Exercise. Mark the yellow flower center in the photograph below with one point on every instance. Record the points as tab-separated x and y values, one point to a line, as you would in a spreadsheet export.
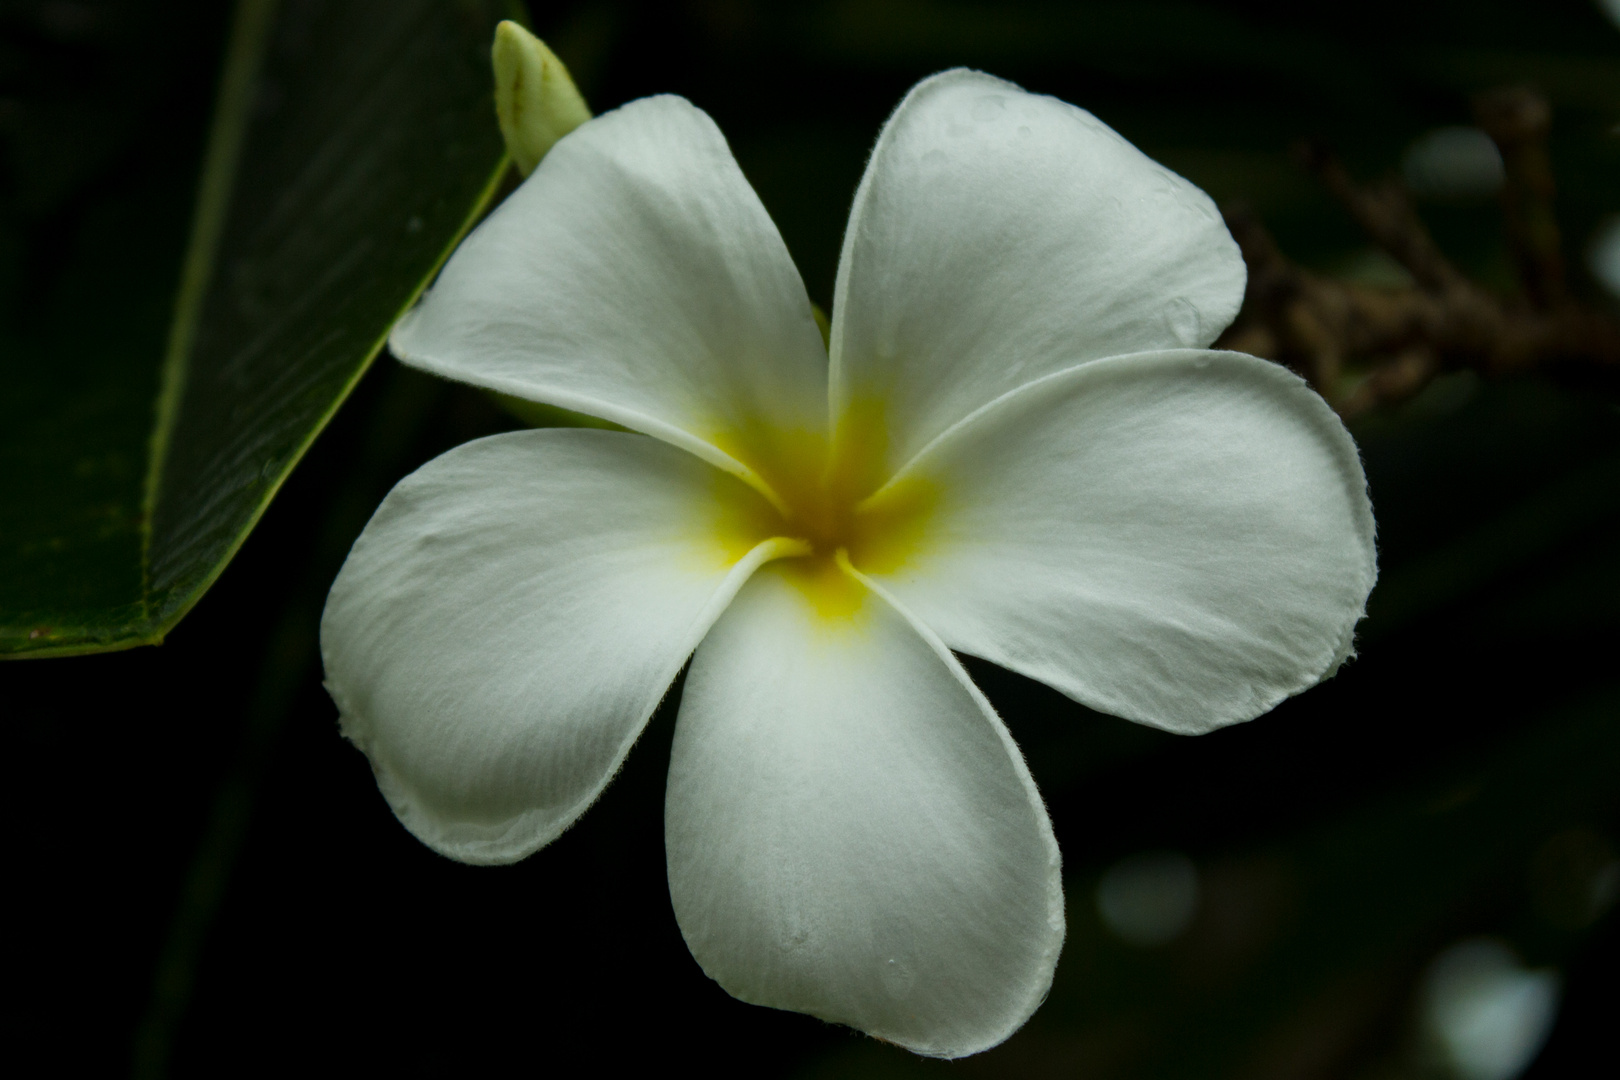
830	495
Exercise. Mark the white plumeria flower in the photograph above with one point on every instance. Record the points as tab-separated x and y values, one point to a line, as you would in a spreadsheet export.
1019	448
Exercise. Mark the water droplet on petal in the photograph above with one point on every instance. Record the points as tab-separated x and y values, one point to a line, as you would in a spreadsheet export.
1185	323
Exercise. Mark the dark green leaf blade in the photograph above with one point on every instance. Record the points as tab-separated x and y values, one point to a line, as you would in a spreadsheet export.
98	166
352	145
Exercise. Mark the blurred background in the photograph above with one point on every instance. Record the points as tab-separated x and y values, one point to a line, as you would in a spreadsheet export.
1407	872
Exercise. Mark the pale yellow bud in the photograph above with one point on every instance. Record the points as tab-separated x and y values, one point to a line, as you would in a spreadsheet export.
535	99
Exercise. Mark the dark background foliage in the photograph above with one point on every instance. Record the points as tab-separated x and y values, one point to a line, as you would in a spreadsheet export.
206	881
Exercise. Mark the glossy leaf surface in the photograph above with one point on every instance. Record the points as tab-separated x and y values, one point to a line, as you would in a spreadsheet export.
193	350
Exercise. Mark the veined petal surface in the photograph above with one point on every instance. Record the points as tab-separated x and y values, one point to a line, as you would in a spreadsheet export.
511	617
1181	538
851	831
999	236
634	276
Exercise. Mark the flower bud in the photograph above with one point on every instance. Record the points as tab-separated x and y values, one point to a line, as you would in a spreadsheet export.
535	99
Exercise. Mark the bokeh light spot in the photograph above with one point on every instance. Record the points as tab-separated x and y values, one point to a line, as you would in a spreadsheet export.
1453	163
1149	898
1604	255
1489	1015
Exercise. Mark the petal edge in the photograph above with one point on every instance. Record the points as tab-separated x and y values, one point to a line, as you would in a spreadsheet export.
1181	538
851	831
510	618
999	236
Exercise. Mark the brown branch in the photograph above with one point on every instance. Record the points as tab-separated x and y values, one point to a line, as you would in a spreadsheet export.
1517	120
1386	214
1362	347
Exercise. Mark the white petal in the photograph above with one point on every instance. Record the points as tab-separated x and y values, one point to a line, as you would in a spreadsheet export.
511	617
851	831
999	236
1180	538
634	276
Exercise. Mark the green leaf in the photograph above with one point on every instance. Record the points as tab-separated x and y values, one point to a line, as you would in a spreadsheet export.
352	144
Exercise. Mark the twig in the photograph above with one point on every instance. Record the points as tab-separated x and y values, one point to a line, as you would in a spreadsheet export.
1517	120
1362	347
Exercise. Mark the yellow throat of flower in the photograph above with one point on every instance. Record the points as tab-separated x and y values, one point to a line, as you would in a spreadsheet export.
830	497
